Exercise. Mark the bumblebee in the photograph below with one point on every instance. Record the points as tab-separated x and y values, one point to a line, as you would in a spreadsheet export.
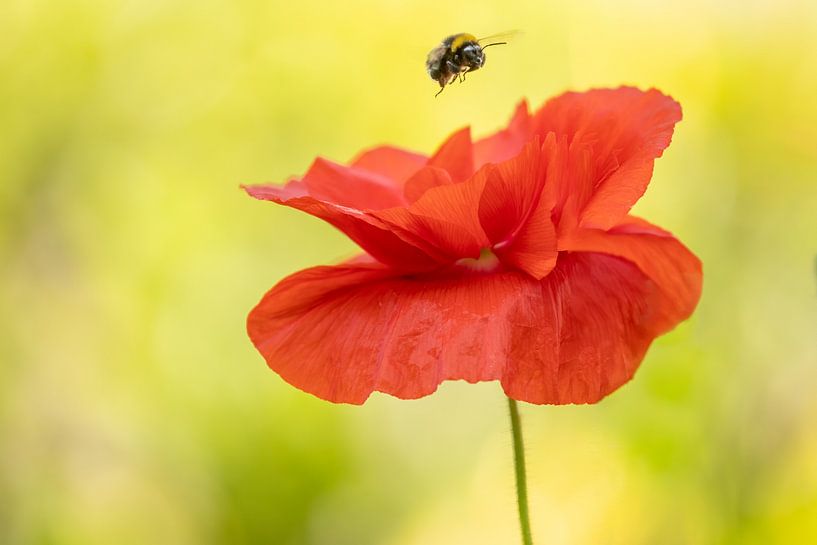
456	55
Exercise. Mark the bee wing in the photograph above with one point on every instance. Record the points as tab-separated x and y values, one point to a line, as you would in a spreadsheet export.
436	53
506	36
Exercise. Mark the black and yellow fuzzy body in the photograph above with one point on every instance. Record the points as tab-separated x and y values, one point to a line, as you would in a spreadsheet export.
454	57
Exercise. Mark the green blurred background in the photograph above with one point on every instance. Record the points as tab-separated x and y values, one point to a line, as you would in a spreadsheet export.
133	409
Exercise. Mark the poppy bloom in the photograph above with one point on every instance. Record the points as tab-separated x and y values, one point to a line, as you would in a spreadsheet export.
510	258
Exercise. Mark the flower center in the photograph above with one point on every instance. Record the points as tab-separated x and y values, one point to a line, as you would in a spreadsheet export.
487	261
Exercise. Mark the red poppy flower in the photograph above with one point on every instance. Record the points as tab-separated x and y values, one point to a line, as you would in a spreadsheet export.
512	258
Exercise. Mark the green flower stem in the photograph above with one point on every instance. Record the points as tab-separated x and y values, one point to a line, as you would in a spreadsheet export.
521	477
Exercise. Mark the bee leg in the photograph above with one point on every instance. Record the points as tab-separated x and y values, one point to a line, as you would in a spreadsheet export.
444	80
453	69
462	75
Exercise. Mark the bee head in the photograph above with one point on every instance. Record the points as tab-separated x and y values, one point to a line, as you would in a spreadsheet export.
473	56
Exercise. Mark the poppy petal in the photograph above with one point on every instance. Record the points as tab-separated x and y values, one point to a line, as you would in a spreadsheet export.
393	163
626	129
513	214
660	256
423	180
368	232
533	249
456	155
596	317
506	143
342	332
511	191
445	216
351	187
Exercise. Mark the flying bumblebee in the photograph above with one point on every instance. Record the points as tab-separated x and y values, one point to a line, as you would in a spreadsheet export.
457	55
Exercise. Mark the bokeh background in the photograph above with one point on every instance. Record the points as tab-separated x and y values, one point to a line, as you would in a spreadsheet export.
133	409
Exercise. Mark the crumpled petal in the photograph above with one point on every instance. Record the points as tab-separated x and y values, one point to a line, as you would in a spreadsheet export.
587	334
343	332
660	256
623	130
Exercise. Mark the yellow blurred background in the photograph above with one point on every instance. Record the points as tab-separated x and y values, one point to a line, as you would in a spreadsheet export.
133	409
